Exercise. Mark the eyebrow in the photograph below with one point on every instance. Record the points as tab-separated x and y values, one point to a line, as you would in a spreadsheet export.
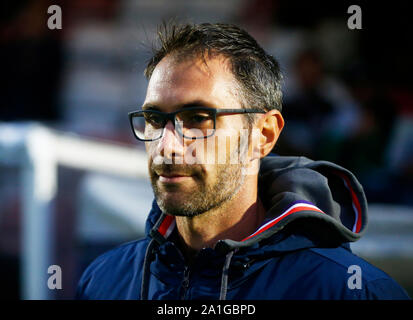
195	103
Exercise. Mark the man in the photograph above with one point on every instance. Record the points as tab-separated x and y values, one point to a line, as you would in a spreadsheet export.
229	221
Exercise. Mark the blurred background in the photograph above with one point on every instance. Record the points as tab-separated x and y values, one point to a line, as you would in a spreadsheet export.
73	179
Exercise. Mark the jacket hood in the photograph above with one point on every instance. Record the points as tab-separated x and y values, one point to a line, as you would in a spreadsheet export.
320	199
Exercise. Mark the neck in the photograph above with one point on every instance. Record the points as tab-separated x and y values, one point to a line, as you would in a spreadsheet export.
235	219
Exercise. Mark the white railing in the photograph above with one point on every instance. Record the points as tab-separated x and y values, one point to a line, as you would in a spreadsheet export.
38	151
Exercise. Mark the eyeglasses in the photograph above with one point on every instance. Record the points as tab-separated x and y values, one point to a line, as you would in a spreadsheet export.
191	123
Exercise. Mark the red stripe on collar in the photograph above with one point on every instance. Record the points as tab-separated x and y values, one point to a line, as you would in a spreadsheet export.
167	226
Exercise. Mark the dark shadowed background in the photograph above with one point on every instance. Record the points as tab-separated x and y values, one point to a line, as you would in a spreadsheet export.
348	98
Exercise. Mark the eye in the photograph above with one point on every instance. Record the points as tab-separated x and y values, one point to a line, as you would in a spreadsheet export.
153	119
195	117
199	118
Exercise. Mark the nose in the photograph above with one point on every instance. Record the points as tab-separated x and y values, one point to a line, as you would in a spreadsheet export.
170	145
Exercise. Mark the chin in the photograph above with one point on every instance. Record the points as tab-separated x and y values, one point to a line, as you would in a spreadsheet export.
177	206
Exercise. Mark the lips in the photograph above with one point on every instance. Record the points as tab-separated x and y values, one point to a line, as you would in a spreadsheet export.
173	174
172	178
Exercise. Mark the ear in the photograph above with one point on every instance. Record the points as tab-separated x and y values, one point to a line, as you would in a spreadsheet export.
267	131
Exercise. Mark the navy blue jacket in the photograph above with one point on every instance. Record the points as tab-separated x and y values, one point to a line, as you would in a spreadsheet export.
301	251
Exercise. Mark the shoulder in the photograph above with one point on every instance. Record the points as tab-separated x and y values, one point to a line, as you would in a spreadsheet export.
373	282
122	254
337	273
112	270
341	259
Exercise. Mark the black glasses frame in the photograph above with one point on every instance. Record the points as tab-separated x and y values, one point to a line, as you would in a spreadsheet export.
172	117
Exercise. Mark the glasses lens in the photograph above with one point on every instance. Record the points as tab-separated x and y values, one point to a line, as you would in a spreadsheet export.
196	123
148	125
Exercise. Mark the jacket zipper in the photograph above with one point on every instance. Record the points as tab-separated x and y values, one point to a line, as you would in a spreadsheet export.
185	282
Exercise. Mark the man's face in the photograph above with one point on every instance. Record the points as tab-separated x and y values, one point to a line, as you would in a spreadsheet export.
190	189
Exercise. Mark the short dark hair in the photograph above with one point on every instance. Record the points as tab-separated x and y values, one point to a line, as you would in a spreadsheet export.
257	72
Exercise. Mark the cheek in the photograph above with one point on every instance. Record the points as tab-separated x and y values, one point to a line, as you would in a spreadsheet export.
227	146
199	151
207	151
210	173
213	150
149	150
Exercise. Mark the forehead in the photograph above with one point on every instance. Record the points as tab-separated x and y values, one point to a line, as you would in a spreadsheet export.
175	82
